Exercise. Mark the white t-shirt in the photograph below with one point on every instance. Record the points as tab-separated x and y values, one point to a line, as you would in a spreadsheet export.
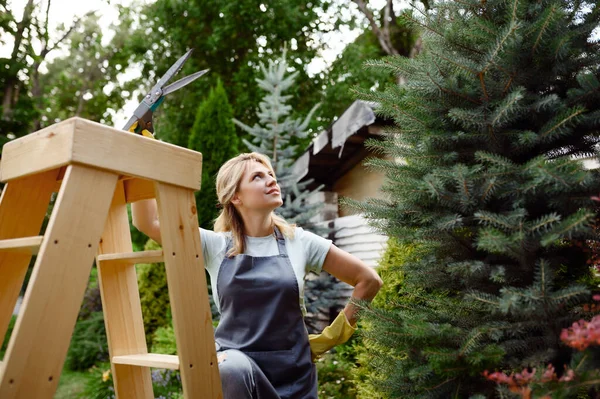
306	251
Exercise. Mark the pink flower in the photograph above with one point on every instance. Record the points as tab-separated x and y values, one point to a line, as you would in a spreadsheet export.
582	334
568	376
549	374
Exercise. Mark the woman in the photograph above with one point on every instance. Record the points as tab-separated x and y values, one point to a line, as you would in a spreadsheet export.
257	263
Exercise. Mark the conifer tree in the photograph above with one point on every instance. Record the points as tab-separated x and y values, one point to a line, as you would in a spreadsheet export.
278	135
213	134
491	126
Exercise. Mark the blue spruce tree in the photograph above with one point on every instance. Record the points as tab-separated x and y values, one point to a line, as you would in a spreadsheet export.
497	112
277	135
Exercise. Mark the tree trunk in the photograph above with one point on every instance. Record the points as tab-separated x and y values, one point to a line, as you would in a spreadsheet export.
384	33
9	97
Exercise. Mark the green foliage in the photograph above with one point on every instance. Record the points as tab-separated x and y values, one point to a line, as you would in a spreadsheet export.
390	270
11	326
230	38
333	370
347	73
499	105
17	107
88	343
74	86
154	297
277	135
163	340
368	351
154	294
71	384
213	134
277	131
100	383
365	376
38	90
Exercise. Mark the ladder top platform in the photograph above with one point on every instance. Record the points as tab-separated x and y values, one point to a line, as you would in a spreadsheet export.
80	141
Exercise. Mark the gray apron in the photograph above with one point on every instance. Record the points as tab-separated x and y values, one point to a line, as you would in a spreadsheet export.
261	317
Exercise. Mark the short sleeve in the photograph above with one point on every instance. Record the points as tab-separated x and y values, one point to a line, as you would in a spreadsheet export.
315	247
212	245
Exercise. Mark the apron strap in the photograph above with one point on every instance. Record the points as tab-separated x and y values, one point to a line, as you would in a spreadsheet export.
280	241
229	243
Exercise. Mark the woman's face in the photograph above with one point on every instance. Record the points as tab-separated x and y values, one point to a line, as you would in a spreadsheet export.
258	189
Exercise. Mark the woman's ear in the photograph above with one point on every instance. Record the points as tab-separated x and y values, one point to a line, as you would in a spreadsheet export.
236	200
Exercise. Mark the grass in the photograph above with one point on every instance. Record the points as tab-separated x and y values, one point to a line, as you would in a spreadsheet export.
71	384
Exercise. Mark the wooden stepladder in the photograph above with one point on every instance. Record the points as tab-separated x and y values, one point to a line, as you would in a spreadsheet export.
97	171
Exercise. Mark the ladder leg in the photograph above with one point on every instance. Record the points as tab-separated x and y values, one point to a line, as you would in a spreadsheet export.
187	291
22	209
121	305
40	341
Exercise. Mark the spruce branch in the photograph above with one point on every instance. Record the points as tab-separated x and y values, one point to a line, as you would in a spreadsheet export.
560	125
577	222
454	93
507	108
550	12
503	40
489	190
471	69
543	223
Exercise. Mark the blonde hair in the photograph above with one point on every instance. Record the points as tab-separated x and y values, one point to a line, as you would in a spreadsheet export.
228	184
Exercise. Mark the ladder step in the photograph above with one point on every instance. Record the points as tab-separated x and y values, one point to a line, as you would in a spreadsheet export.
132	258
149	360
27	245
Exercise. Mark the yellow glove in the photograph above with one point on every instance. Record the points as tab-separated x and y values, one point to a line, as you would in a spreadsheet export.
145	132
334	334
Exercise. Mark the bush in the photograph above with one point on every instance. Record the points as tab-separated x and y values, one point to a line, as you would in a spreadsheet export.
334	372
349	370
164	341
365	376
154	294
88	344
100	383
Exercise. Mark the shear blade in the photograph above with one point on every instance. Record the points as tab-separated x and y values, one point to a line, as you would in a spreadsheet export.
173	70
182	82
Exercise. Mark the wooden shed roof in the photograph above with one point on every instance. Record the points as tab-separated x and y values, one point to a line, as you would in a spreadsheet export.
341	146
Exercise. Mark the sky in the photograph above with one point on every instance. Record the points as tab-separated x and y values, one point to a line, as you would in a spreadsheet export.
65	11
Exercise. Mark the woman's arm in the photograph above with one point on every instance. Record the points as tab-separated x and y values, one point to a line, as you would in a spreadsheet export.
351	270
144	217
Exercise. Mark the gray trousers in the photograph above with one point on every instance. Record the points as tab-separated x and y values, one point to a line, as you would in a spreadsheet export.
241	377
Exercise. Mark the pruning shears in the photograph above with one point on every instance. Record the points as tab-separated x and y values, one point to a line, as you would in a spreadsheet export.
141	121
